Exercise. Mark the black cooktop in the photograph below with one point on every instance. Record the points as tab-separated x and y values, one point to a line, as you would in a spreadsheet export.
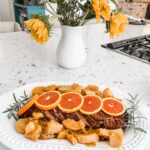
137	48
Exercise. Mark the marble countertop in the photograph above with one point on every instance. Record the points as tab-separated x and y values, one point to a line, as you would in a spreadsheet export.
24	61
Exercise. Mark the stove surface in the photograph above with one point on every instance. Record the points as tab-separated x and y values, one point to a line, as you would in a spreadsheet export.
137	48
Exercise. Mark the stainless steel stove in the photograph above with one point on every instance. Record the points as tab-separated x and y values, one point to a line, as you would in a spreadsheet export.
137	48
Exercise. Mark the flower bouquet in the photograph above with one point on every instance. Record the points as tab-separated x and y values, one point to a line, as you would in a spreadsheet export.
73	15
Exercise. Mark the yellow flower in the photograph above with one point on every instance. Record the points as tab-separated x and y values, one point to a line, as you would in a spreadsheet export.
105	10
102	9
118	24
39	30
96	8
29	23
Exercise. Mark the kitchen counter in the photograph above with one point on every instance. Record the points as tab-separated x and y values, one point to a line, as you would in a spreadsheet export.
24	61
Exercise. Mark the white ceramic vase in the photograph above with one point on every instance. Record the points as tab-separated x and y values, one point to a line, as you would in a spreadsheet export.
71	49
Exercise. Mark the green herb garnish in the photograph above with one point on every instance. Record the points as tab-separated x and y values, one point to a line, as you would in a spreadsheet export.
12	109
132	119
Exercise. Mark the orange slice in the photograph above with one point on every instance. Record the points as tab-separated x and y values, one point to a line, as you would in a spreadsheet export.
48	100
70	102
92	104
28	105
113	106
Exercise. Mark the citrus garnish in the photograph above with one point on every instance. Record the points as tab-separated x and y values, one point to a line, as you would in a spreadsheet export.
92	104
28	105
70	102
48	100
113	106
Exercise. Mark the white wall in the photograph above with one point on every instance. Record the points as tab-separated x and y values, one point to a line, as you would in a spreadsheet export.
6	10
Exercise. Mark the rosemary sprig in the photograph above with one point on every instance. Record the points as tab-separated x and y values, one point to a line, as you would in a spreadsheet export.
12	109
132	119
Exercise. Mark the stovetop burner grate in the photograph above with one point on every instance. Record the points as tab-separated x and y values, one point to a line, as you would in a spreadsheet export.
137	48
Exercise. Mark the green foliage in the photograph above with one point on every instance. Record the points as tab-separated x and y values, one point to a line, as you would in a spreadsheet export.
118	8
74	12
53	1
18	103
85	6
70	12
107	26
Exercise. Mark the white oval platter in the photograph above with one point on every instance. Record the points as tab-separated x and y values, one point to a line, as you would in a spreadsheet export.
11	139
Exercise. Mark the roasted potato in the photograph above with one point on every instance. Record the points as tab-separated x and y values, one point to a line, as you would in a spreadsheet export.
71	88
30	127
74	125
87	92
52	87
38	90
87	138
77	87
53	127
21	124
116	138
64	89
91	90
47	136
100	94
81	123
71	139
107	93
62	134
103	132
37	115
34	135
